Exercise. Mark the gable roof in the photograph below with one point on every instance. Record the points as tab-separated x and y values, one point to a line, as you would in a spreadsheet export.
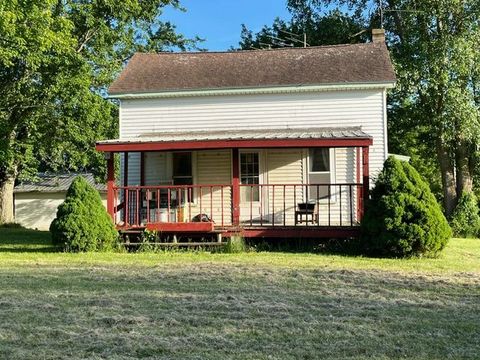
319	65
56	183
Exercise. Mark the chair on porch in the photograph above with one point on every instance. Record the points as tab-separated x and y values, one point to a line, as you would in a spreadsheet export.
306	213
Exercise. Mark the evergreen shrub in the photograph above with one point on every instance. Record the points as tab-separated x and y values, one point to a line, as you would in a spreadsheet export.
82	222
403	218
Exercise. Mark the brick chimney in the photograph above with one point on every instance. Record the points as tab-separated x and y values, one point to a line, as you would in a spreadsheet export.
378	36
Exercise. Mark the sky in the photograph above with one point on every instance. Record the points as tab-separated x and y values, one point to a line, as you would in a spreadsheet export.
219	21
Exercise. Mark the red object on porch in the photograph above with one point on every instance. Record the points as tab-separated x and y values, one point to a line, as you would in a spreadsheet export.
202	227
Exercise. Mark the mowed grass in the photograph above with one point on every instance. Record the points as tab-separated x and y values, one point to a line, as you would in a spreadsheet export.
197	305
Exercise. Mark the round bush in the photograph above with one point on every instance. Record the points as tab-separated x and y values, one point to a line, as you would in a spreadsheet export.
465	220
403	217
82	223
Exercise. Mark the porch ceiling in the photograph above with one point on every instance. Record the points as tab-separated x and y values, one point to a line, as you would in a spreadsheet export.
245	138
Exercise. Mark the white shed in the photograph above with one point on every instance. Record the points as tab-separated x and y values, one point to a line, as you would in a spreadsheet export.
36	202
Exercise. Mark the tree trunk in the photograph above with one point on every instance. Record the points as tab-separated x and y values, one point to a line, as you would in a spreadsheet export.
463	170
448	178
6	200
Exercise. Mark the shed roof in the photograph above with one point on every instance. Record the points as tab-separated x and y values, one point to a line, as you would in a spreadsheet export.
56	183
317	65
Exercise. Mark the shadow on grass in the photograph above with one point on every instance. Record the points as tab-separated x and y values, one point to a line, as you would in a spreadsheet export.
18	239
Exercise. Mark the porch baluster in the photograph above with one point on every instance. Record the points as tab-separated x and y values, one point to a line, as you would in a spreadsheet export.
329	205
261	205
295	202
148	205
179	205
115	206
273	205
221	196
126	207
168	204
201	195
251	204
351	206
211	202
340	201
137	210
157	210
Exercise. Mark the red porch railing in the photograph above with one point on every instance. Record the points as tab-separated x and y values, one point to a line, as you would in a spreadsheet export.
137	206
261	205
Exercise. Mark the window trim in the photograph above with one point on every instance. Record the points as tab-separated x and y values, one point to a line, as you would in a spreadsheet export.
261	167
331	172
194	171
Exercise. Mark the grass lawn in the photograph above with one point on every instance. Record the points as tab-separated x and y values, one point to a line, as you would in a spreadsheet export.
227	306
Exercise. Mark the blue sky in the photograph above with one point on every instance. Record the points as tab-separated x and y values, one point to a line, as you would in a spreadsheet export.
219	21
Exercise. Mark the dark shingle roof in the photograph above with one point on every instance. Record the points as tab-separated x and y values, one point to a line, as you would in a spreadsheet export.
55	183
340	64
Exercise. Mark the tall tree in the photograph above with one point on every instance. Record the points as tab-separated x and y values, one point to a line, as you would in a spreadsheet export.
436	105
332	28
56	59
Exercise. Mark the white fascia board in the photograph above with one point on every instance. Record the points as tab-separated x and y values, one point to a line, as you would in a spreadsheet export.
252	91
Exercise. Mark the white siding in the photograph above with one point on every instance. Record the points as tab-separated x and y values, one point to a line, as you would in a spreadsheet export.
156	168
214	167
133	169
37	210
285	167
363	108
290	167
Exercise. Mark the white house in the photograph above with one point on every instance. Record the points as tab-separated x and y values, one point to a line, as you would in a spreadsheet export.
36	202
270	143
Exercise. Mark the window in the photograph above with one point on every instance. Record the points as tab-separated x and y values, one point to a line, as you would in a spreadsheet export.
250	174
319	160
182	168
319	173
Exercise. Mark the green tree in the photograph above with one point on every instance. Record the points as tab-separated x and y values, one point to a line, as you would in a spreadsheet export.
466	218
56	59
332	28
435	107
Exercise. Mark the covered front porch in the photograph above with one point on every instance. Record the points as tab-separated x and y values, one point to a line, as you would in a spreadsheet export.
301	183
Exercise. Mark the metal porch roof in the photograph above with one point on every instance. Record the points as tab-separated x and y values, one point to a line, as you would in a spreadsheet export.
250	134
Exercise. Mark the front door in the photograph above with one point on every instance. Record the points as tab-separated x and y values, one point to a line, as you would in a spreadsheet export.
251	194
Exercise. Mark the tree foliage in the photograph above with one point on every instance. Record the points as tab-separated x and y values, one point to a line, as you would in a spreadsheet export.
466	218
82	223
403	217
436	104
56	60
329	29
